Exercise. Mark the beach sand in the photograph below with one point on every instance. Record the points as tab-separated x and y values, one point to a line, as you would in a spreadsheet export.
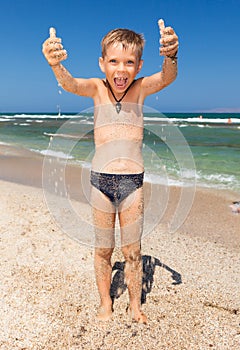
48	296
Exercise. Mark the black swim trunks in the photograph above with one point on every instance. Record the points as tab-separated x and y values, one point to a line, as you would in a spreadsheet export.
116	187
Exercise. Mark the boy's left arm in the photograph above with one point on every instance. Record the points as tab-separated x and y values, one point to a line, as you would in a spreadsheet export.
168	49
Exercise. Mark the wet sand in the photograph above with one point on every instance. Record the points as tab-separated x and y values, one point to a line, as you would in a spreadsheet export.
48	296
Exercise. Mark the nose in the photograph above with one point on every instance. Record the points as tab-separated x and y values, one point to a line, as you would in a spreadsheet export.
121	67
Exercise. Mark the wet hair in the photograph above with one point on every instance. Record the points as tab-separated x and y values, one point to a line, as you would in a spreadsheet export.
128	38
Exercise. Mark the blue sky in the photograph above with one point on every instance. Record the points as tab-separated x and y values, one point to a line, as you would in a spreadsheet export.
209	53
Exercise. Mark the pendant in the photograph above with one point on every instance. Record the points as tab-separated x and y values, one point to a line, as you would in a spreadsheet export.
118	107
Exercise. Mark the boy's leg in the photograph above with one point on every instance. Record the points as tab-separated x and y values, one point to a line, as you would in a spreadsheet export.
104	223
131	222
103	272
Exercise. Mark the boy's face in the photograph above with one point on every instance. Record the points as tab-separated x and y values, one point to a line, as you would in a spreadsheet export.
120	66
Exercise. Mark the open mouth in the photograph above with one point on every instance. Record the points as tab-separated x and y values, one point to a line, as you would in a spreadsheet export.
120	82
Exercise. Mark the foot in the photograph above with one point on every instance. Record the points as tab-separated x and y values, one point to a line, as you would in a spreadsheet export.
104	313
137	315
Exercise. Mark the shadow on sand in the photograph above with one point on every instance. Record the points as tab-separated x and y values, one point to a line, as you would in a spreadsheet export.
118	286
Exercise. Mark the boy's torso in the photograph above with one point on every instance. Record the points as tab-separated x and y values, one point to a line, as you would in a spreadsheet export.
118	139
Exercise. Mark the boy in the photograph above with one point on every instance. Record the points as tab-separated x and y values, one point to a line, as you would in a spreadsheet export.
117	165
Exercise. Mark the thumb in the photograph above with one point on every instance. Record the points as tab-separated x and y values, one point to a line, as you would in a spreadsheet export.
52	32
161	25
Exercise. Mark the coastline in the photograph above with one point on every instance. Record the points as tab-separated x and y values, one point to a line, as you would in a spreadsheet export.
209	210
48	295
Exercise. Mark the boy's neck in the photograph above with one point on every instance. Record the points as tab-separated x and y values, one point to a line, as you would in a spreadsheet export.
118	105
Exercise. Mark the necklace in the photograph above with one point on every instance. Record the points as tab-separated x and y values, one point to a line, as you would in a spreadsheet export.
118	105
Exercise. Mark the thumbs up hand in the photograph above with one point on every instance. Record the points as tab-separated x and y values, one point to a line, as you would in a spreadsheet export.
168	41
53	49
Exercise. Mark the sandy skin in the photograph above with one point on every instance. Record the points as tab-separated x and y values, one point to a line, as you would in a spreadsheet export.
120	147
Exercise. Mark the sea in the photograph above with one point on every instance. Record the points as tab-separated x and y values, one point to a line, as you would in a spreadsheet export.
178	149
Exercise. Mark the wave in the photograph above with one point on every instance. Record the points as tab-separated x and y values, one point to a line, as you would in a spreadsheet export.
199	121
148	118
38	116
5	119
157	179
66	136
56	154
5	144
218	181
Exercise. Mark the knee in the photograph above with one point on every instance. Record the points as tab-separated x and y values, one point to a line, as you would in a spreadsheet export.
103	253
132	253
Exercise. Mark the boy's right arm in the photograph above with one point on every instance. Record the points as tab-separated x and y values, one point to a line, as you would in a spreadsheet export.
54	53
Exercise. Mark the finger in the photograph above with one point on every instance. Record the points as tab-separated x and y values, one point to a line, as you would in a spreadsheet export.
60	55
161	25
170	47
169	50
55	40
168	39
52	32
56	46
168	30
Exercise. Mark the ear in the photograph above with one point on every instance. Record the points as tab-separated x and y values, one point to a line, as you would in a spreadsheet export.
101	64
140	64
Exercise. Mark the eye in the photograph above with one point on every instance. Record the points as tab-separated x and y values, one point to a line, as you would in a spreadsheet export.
113	61
130	62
